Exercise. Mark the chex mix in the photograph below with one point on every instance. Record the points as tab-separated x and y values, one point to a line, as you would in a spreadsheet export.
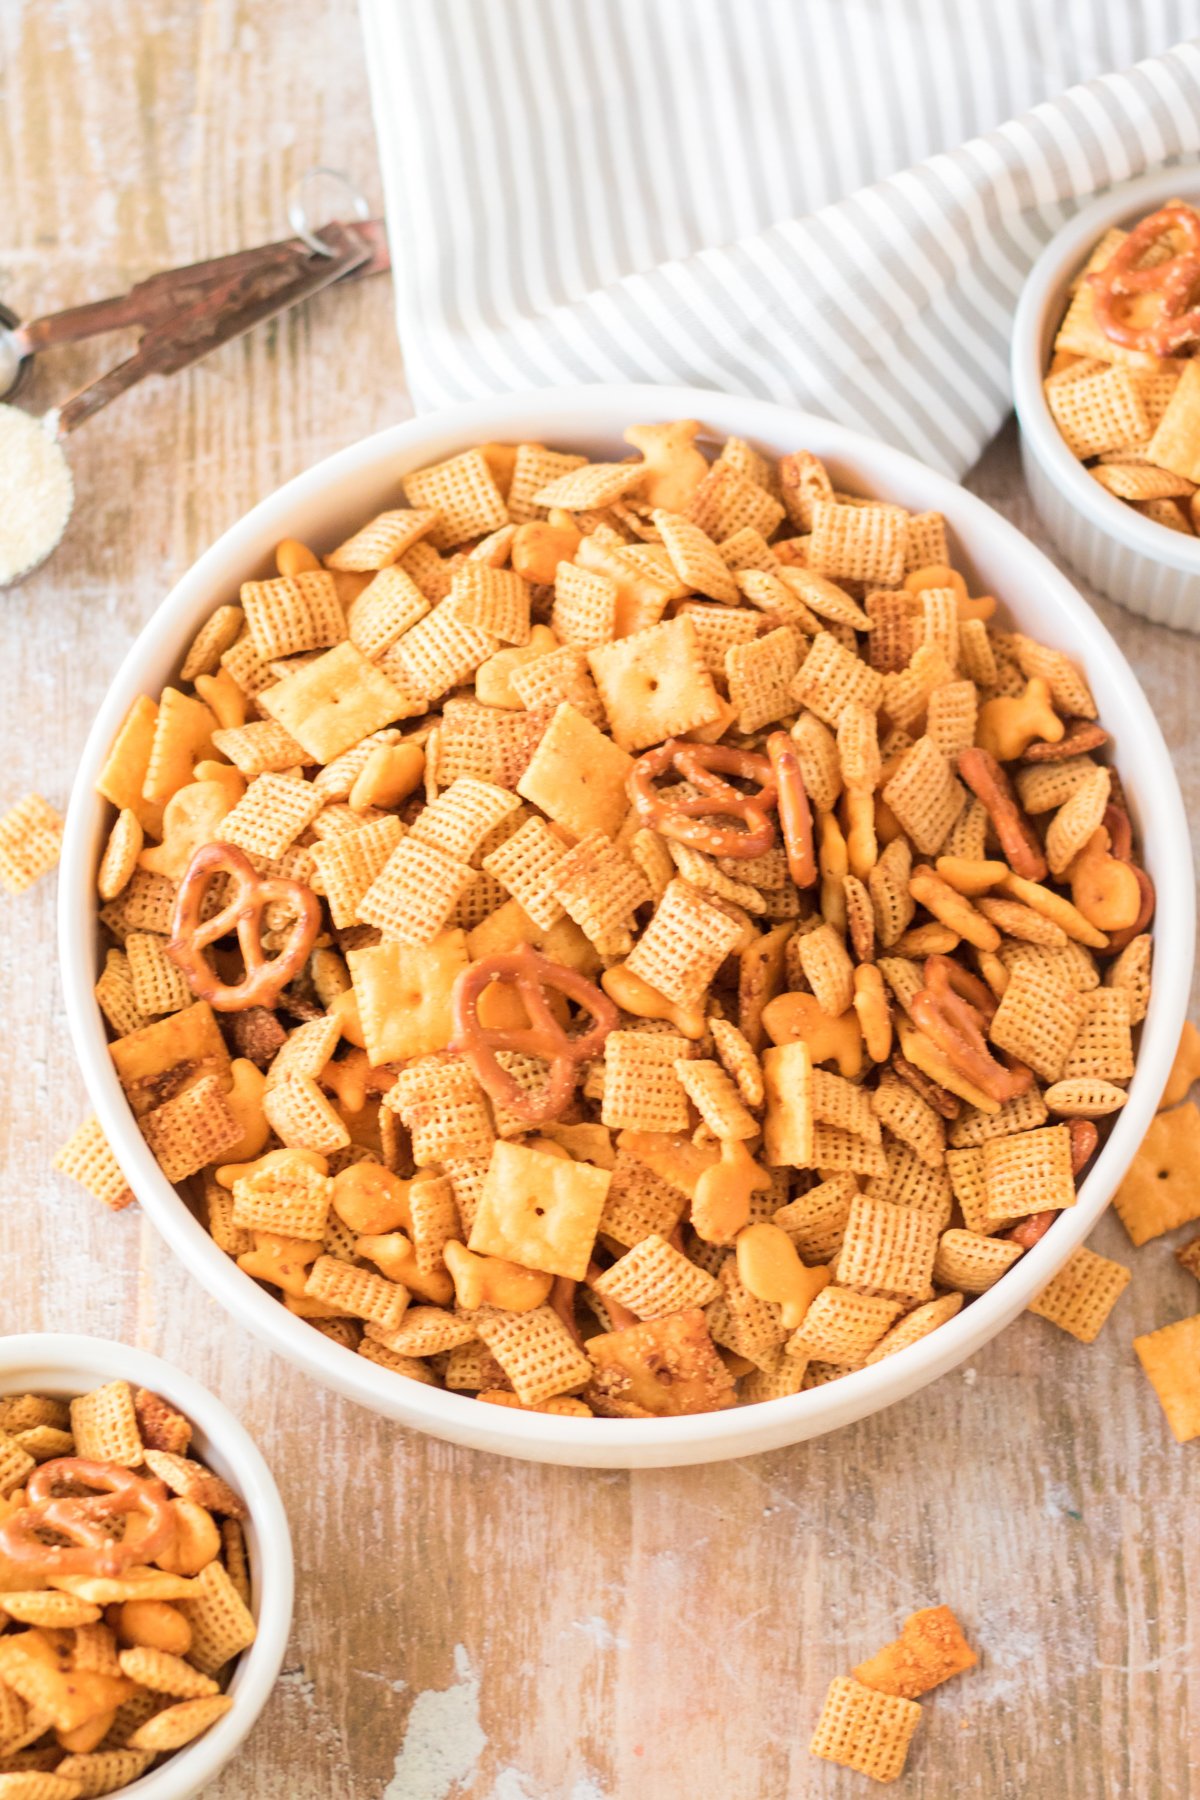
125	1593
623	938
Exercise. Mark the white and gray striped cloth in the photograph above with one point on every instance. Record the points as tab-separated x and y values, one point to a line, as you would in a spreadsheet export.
831	203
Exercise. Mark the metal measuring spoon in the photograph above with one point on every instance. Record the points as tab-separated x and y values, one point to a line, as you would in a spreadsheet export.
183	314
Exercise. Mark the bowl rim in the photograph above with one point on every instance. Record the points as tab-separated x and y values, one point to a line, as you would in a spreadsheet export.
36	1361
1043	293
584	412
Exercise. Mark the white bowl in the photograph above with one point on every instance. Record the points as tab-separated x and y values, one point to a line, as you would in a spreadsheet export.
64	1365
1146	567
323	506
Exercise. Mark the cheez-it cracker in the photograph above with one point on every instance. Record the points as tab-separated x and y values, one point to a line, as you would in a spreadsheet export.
624	938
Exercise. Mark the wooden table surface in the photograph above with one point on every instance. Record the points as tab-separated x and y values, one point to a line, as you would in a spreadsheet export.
467	1626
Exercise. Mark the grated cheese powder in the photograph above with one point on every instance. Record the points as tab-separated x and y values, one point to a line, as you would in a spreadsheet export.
36	493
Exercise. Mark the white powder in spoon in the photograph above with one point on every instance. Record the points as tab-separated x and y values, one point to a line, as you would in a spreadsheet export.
36	492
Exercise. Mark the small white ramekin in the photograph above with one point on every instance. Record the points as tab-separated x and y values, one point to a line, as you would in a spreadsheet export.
323	506
1145	567
63	1365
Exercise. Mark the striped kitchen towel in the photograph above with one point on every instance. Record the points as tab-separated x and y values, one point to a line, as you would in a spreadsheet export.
831	203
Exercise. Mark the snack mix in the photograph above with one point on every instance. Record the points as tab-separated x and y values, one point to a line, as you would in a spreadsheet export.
124	1591
623	938
1124	384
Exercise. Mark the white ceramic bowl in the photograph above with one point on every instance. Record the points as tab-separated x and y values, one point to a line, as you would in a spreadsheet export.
63	1365
1146	567
321	507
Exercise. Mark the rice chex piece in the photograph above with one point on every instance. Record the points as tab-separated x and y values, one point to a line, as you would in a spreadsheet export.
561	674
1131	973
492	600
716	1099
585	606
525	864
303	1117
642	1091
388	606
436	654
383	540
292	613
462	817
760	674
971	1263
591	487
859	543
887	1249
738	1060
912	1182
190	1130
535	467
444	1108
87	1157
463	493
926	796
1024	1113
261	747
535	1350
159	986
695	558
910	1118
816	1221
96	1772
728	501
684	945
30	842
105	1427
1027	1172
1103	1046
864	1730
1083	1293
969	1182
843	1327
347	864
222	1624
831	677
639	1204
359	1292
601	888
654	1278
1038	1020
415	892
916	1325
741	1322
289	1198
1098	412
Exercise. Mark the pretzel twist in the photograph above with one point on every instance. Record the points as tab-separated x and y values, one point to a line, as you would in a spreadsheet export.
87	1521
1174	282
265	977
688	821
950	1009
531	974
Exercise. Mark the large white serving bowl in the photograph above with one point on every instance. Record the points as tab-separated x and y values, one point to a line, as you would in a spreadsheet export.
1144	566
322	507
63	1365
